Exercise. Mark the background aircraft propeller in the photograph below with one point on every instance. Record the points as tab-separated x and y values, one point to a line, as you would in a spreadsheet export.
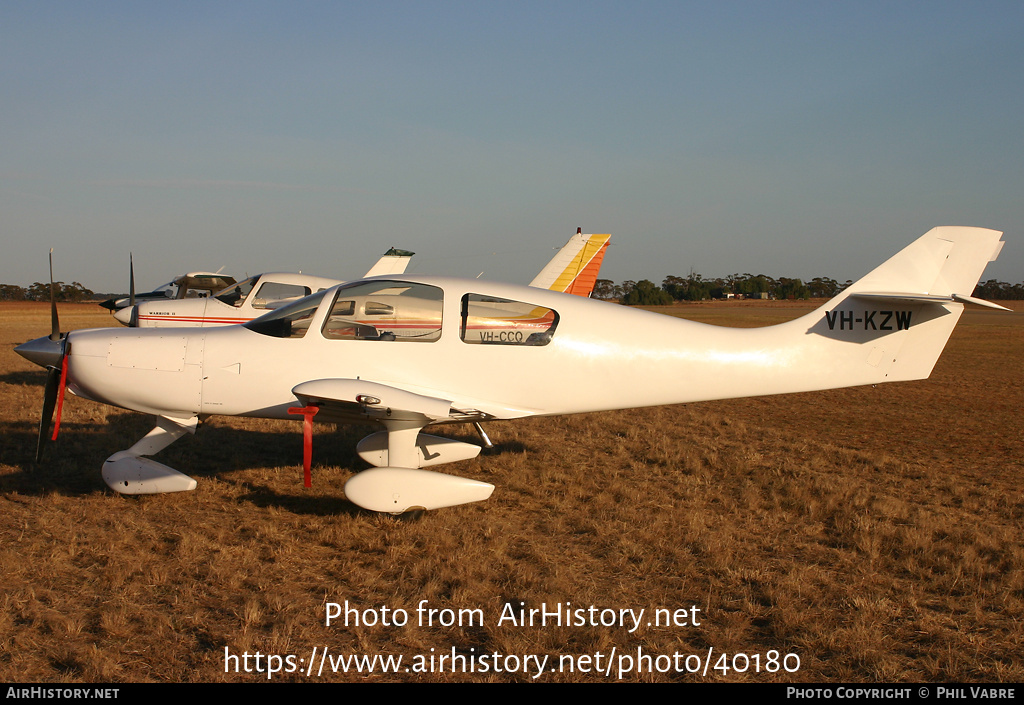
134	321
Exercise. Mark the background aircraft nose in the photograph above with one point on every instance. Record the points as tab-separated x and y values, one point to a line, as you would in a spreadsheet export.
127	315
44	352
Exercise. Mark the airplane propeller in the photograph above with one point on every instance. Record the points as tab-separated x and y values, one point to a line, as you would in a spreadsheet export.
134	322
56	383
50	352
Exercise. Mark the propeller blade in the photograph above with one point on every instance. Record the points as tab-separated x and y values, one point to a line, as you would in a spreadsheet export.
131	280
54	322
49	399
56	376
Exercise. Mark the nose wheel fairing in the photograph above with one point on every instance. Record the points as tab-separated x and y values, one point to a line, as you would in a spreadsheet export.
129	472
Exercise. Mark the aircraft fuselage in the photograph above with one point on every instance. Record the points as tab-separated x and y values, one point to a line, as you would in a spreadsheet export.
600	356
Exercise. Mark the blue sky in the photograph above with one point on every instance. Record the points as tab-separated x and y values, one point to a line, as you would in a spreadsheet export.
789	138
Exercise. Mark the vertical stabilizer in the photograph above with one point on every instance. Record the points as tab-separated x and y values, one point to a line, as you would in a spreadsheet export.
394	261
894	322
944	261
575	268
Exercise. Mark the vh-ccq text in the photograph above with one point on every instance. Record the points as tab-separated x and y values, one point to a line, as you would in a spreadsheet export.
557	614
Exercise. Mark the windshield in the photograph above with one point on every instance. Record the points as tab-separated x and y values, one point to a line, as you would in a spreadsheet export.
236	293
291	321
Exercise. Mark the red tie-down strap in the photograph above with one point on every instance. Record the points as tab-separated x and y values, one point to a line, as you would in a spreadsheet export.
308	412
60	395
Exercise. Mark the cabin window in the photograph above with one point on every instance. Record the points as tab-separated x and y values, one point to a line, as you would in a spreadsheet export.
376	308
488	320
272	293
291	321
385	310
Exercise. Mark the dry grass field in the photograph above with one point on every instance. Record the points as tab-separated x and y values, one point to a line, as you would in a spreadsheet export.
867	534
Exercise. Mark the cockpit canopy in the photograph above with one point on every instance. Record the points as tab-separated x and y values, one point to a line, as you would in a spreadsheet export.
405	311
268	294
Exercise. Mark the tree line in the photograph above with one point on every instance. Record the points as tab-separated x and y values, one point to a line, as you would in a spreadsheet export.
72	293
695	287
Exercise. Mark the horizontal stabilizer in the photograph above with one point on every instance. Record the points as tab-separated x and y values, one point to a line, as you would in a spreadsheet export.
926	298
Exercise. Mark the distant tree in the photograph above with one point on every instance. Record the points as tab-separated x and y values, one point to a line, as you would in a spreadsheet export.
696	288
792	289
604	289
997	290
38	292
73	292
12	292
646	293
749	284
823	287
674	287
692	288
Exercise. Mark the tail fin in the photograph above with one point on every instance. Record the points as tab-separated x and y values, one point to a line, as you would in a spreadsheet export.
393	261
944	262
902	313
575	268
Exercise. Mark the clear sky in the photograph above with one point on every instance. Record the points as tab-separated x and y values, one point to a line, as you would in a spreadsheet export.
786	138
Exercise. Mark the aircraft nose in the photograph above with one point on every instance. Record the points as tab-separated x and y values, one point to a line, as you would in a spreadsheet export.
42	351
128	315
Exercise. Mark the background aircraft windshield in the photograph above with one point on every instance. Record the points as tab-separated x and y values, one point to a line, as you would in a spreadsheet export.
291	321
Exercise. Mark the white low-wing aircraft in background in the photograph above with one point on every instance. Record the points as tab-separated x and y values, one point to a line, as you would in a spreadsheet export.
191	285
407	352
573	269
243	301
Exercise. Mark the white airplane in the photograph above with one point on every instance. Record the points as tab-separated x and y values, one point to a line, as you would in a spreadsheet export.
409	352
244	301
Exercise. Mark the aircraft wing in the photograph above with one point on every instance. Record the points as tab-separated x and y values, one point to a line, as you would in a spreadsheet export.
358	400
398	481
394	261
575	268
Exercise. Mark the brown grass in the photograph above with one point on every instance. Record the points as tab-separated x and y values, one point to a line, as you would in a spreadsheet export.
875	532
